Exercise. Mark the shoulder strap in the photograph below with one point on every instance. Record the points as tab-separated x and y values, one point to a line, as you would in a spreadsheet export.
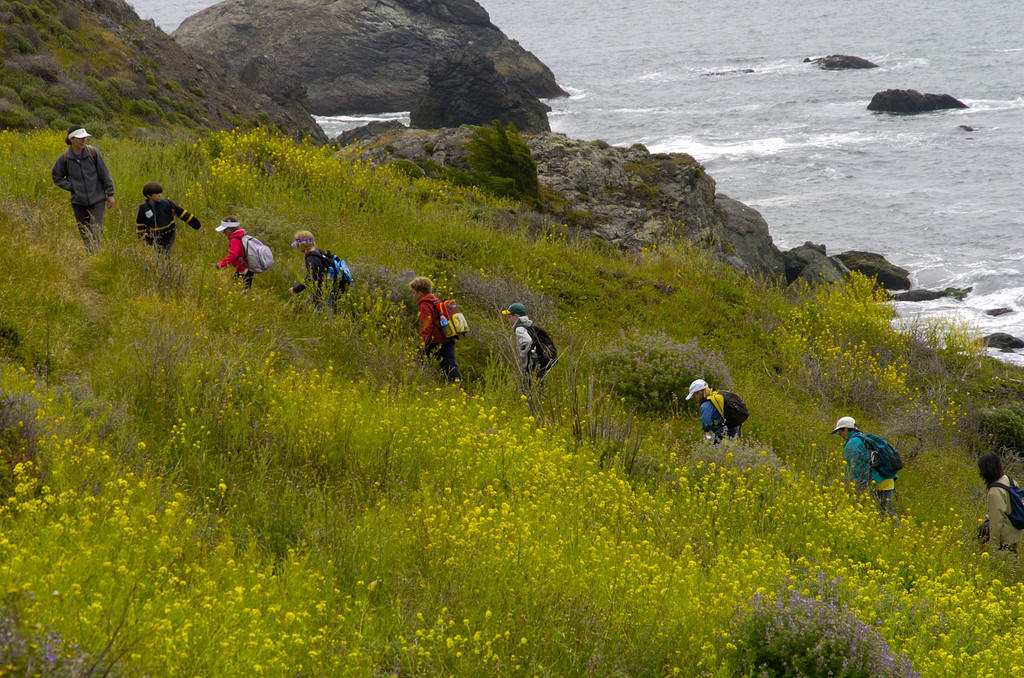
718	401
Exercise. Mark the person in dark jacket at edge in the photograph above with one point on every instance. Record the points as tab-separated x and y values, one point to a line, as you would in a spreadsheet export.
316	272
81	171
435	344
155	223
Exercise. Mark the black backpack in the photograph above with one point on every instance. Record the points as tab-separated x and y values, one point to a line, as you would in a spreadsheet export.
884	457
543	351
735	409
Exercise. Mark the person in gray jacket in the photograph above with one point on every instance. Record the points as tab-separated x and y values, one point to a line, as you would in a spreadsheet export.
81	170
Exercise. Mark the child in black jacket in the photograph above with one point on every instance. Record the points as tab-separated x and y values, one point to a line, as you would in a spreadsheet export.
155	221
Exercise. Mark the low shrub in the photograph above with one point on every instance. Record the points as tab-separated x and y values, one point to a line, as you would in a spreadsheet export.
802	636
1004	426
652	372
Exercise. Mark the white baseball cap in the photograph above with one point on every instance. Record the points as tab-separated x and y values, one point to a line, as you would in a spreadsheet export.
79	133
845	422
697	386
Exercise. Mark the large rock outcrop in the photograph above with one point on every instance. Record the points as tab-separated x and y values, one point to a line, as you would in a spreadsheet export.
465	89
359	56
625	196
911	101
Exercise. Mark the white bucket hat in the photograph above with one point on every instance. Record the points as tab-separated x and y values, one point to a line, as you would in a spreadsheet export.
845	422
79	133
695	387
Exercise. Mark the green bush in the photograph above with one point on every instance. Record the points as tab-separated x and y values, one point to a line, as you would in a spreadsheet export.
501	163
652	372
407	167
1004	426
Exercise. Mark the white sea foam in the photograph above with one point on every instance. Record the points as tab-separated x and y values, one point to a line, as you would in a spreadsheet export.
333	125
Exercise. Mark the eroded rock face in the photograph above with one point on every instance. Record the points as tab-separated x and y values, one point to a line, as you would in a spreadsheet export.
840	62
810	263
465	89
890	276
626	196
359	56
912	101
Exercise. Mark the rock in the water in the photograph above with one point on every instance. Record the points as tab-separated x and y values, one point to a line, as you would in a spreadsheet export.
911	101
356	56
1002	341
465	89
811	264
889	276
732	72
367	131
966	128
957	293
840	62
998	311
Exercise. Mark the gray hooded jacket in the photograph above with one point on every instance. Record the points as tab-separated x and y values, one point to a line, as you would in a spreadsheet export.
523	339
86	177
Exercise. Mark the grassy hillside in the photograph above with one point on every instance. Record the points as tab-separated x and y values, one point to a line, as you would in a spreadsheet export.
94	63
200	481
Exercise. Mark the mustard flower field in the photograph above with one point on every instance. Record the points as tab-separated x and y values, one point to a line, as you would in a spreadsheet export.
201	481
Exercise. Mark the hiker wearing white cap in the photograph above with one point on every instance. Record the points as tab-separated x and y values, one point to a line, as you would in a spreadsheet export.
721	413
236	251
857	453
81	171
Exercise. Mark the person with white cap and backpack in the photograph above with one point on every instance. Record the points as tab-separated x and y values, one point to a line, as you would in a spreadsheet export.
81	171
857	453
721	413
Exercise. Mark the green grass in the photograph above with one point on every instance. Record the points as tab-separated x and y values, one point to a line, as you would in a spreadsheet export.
227	483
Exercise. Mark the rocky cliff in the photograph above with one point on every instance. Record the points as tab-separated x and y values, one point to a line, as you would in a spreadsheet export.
359	56
626	196
95	63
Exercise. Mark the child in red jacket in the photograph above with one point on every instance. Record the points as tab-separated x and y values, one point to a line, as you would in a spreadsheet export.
236	254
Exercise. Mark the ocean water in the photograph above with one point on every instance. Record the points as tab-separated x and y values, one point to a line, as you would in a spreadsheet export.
797	143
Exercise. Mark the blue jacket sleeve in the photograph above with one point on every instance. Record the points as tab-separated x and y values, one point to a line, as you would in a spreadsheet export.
710	420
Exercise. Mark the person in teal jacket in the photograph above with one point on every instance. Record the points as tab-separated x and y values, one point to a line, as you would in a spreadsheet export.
859	469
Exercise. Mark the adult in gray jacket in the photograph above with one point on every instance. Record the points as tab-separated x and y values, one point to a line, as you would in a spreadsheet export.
81	170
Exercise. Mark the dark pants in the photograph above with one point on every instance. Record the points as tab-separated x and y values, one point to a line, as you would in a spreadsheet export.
244	278
162	241
445	354
90	223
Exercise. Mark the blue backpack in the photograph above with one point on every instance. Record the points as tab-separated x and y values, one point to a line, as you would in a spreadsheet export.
1016	514
884	457
337	270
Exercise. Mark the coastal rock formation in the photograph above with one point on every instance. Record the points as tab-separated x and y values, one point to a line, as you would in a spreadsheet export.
911	101
465	89
811	264
1002	341
107	69
957	293
629	197
359	56
996	312
840	62
889	276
